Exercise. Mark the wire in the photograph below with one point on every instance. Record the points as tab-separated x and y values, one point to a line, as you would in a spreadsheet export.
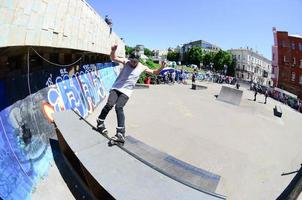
30	94
59	65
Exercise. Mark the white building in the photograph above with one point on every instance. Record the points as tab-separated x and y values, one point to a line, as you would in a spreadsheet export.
159	55
251	66
204	45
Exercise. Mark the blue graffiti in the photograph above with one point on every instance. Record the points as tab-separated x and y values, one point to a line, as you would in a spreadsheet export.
25	153
84	90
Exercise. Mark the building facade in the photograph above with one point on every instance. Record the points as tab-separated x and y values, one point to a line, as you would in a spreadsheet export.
159	55
206	46
251	66
66	24
287	62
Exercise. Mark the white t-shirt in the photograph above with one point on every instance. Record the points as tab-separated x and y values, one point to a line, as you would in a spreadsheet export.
127	78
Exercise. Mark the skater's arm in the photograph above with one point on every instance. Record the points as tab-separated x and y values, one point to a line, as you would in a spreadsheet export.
157	71
116	59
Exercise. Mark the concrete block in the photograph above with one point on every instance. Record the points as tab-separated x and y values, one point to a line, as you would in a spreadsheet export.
55	39
278	111
27	6
67	26
4	34
46	38
7	4
198	87
20	19
230	95
41	7
32	37
17	36
35	21
6	15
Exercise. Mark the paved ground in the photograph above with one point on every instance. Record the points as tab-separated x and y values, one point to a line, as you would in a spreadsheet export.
52	187
246	145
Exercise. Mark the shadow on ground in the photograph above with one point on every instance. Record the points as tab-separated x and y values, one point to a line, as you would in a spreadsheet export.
75	185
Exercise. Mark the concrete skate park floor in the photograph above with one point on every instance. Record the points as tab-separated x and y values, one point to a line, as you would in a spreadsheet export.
246	145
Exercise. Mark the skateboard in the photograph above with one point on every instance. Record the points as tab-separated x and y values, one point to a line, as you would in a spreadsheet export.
115	141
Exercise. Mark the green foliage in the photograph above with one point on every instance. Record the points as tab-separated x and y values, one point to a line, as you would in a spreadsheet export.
147	52
218	60
173	56
151	65
208	58
194	55
231	68
222	58
129	50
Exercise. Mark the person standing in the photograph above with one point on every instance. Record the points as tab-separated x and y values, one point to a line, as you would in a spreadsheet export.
121	91
109	22
266	95
256	92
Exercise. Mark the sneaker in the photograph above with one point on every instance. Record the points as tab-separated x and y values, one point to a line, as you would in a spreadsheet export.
100	127
119	136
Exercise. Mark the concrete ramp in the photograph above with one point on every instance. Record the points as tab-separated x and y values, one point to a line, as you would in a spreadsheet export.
116	172
141	86
230	95
198	87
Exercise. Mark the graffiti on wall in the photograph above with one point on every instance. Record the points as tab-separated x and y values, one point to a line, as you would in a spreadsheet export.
25	126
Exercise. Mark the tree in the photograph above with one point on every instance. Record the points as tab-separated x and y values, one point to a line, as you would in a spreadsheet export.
219	60
223	58
231	68
194	55
147	52
173	56
208	58
129	50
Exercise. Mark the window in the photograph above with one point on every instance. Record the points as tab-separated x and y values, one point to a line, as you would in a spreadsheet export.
300	81
293	45
283	44
243	67
294	60
284	59
238	57
300	63
293	76
300	46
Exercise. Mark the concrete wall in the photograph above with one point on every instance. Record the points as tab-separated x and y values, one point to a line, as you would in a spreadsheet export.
25	126
70	24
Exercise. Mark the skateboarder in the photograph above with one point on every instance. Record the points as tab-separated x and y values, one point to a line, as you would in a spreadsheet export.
121	91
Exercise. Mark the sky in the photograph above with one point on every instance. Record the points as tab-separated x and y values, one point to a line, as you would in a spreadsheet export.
159	24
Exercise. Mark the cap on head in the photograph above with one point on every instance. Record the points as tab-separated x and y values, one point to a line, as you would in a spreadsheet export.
134	56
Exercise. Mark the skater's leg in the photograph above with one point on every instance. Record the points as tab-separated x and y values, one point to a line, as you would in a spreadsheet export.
113	96
119	108
120	130
110	103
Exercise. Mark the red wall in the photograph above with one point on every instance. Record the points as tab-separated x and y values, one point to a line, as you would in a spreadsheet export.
284	47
